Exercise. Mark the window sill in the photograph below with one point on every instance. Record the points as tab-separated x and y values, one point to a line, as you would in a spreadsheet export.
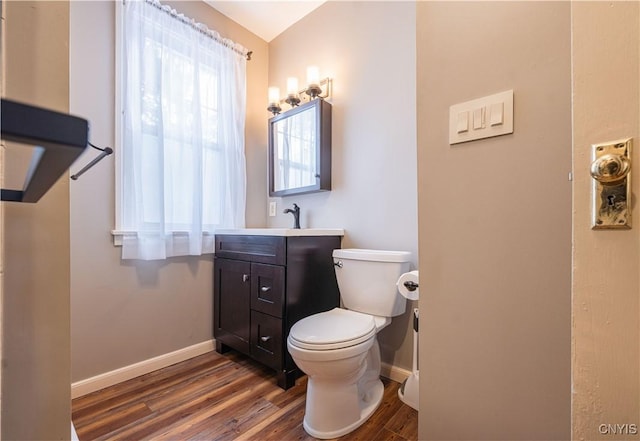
118	235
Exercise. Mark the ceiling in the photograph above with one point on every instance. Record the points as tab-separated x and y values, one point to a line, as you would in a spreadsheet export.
265	18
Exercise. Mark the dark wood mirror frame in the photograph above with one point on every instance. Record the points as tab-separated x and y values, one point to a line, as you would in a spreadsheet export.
322	127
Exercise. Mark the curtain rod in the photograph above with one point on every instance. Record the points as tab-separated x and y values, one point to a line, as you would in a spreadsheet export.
202	28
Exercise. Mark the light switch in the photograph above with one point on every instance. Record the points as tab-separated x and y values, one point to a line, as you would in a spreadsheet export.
463	122
478	118
496	114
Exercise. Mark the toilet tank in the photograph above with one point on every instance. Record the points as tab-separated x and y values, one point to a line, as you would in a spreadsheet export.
367	280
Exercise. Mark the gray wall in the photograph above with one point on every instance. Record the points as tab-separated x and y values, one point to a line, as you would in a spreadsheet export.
35	320
495	224
368	48
606	305
124	312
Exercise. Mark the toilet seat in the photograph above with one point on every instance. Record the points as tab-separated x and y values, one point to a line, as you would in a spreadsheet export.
335	329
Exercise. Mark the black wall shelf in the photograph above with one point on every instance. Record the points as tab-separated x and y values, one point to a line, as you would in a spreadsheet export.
59	139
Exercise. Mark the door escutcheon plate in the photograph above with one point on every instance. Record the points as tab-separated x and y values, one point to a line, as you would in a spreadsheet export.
611	173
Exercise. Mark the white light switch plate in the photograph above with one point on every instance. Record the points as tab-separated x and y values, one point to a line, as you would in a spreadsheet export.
481	111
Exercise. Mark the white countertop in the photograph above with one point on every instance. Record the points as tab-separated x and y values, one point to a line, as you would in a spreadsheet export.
284	231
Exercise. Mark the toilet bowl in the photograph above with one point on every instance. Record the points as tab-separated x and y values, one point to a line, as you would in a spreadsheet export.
338	349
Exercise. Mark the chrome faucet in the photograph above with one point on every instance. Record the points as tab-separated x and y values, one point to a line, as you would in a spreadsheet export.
296	215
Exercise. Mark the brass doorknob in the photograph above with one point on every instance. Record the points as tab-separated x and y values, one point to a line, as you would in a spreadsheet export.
610	169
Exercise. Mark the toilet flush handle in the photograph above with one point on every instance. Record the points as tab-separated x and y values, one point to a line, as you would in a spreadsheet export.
338	263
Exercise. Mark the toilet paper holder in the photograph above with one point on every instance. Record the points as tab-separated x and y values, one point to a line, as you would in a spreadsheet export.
411	285
408	285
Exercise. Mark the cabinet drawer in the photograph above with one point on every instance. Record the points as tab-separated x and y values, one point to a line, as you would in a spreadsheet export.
261	249
266	339
267	289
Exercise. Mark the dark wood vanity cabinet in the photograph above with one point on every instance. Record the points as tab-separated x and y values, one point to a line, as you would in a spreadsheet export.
265	284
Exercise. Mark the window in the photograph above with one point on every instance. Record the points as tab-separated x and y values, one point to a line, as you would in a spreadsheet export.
181	161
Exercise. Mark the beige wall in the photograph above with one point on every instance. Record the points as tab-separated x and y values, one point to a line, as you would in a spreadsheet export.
124	312
368	48
495	224
35	320
606	307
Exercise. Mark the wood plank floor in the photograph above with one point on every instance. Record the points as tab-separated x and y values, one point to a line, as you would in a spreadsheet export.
220	397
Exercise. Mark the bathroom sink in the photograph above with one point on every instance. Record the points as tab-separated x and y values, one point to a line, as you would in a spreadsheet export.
284	231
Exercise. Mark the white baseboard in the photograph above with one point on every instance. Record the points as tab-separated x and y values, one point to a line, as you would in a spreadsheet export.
394	373
84	387
74	435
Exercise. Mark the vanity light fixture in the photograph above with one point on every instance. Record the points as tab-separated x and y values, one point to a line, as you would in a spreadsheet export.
274	100
292	92
316	88
313	81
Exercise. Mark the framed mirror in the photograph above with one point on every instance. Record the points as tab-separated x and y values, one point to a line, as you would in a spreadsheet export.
300	150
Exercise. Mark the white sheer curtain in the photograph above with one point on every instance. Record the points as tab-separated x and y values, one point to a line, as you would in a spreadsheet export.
183	164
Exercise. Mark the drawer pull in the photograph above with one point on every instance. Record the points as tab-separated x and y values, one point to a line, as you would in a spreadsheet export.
266	338
265	289
245	277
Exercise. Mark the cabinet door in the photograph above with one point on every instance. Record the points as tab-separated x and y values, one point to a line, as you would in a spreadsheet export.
232	287
267	289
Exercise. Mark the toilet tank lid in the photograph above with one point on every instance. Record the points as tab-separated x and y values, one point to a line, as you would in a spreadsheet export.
372	255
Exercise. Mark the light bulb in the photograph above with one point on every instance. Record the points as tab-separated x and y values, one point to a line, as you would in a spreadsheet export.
313	76
274	100
292	86
274	95
313	82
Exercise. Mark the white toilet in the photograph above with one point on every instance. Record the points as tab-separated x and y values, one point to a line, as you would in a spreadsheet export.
338	349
